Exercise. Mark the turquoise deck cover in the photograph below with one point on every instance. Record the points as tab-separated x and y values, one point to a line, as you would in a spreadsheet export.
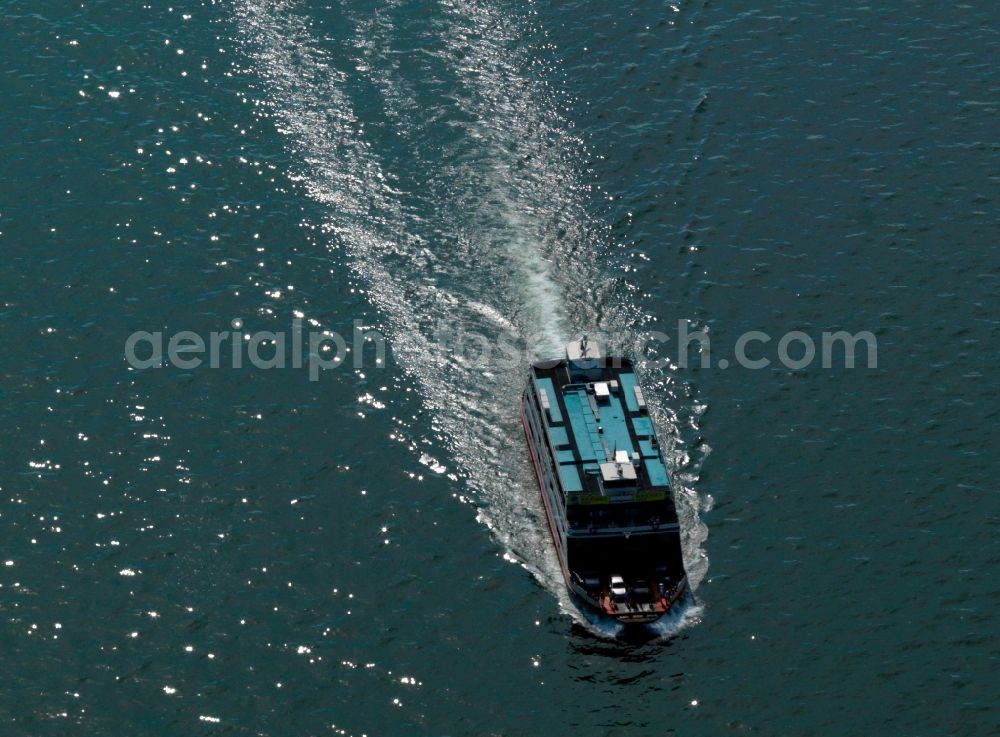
599	429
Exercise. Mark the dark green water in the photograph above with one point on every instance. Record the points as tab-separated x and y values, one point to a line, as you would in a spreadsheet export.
243	551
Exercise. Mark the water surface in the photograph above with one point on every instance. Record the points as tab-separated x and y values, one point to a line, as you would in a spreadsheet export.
238	551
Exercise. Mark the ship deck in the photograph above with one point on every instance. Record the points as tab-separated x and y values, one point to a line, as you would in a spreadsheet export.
587	432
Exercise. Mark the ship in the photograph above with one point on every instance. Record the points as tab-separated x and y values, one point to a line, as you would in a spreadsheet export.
604	484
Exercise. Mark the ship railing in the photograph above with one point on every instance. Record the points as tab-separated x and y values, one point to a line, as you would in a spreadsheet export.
602	499
583	530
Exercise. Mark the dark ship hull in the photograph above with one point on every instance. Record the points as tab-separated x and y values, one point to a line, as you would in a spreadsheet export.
604	485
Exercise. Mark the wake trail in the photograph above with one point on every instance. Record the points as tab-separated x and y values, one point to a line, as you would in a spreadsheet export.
507	250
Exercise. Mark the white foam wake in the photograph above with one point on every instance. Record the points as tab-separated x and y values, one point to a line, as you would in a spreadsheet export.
510	248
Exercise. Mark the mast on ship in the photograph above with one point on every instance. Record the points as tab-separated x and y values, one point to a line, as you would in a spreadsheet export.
585	359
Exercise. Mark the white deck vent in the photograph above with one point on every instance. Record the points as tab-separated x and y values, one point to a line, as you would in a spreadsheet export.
639	398
543	399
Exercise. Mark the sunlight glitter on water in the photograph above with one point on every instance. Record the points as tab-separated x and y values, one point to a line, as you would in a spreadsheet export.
506	237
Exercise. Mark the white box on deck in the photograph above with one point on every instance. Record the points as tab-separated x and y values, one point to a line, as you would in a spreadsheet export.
617	472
